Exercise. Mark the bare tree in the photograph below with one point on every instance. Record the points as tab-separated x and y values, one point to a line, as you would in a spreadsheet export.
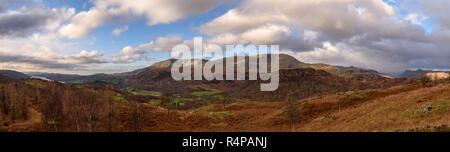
424	80
291	112
90	108
138	116
111	108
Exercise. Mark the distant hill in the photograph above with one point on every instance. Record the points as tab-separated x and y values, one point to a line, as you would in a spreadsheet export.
54	76
157	77
71	78
437	75
306	79
13	74
416	73
307	82
410	73
4	79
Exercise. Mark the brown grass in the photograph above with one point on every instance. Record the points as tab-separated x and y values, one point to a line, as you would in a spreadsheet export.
374	110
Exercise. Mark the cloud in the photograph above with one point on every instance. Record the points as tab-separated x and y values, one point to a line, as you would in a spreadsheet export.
118	31
162	44
27	21
438	10
84	57
416	18
345	55
335	19
83	24
370	33
31	62
130	55
122	11
167	43
10	3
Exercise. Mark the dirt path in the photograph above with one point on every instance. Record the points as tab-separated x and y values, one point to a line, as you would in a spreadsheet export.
31	124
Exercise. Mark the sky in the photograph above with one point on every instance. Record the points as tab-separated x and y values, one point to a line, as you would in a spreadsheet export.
113	36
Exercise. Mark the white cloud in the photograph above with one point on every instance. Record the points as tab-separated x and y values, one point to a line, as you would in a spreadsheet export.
130	55
118	31
83	24
167	43
374	34
365	33
415	18
29	20
155	12
438	10
85	57
162	44
345	55
267	34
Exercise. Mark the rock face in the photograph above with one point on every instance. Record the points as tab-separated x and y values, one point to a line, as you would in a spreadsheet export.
424	109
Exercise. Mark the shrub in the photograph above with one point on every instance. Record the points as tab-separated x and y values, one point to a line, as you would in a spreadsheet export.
352	95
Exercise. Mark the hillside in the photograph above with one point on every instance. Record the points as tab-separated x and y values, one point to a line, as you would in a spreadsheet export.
13	74
56	76
411	107
436	76
302	79
417	73
157	77
307	82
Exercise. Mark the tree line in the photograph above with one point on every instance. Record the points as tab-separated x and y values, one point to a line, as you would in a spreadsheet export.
63	107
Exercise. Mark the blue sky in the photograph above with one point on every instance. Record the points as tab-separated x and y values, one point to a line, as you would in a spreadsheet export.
139	31
75	36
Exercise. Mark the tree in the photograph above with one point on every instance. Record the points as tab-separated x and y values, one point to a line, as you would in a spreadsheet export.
73	111
52	106
111	107
165	100
3	100
448	78
424	80
90	108
291	112
138	116
176	100
221	99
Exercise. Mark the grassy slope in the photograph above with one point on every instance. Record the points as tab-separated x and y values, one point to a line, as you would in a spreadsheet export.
391	113
381	110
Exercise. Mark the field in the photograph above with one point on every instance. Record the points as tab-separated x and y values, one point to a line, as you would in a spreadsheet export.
143	92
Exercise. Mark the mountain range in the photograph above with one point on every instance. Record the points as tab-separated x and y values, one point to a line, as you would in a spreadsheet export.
13	74
305	79
150	100
417	73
